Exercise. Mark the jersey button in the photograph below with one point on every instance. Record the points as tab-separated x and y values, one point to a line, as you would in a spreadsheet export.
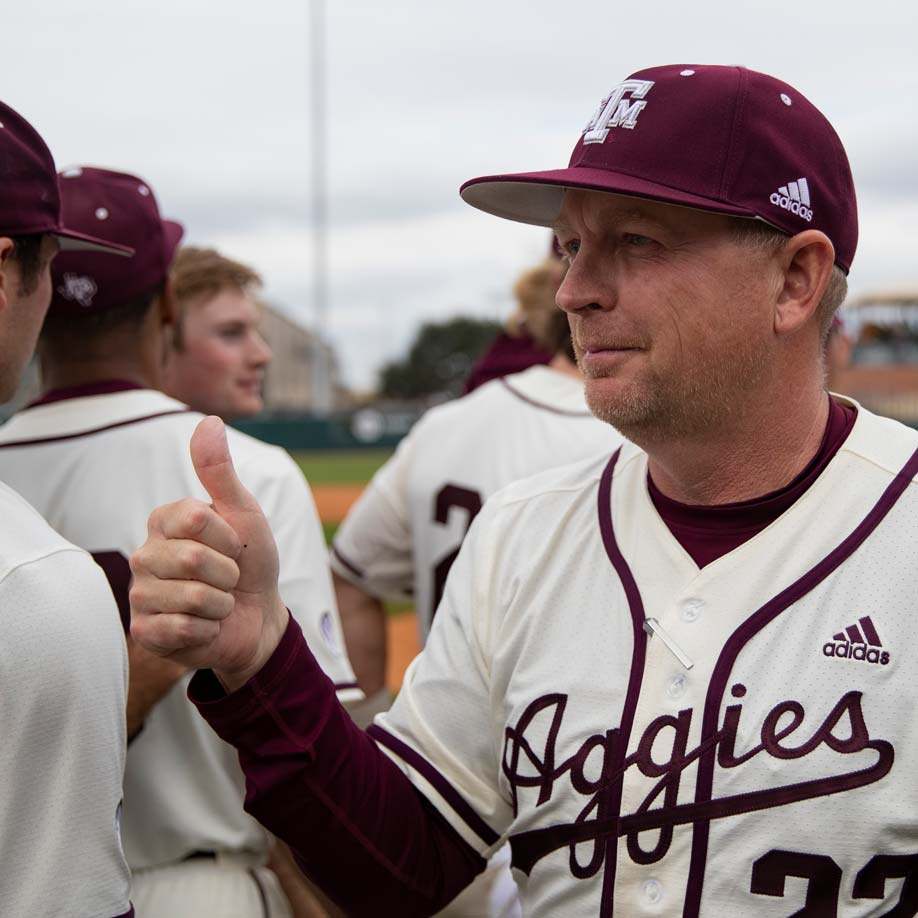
691	610
652	890
675	688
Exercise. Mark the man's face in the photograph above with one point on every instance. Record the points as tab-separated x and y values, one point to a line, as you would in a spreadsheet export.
27	300
220	366
669	313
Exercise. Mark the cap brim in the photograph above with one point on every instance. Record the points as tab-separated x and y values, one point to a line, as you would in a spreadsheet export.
71	240
535	197
173	233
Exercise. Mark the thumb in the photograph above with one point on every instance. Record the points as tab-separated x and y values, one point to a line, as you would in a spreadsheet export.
213	465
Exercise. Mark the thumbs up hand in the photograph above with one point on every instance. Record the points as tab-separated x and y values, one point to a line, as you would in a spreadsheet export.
205	589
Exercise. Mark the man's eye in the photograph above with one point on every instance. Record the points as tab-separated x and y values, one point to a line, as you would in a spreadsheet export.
636	239
570	249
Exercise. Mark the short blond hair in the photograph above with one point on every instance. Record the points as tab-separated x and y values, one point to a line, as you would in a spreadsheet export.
538	314
200	272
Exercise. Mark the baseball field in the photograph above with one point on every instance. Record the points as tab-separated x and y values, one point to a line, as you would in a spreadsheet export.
337	479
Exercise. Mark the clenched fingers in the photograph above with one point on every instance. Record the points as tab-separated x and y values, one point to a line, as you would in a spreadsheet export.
197	521
153	597
168	635
184	559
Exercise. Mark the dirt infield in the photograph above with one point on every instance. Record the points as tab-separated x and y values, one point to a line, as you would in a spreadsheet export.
403	647
333	501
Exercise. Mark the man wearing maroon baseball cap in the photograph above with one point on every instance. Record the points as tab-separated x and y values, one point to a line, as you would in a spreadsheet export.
95	454
63	684
673	677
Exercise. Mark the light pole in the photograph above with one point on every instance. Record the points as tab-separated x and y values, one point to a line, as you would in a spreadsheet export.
322	395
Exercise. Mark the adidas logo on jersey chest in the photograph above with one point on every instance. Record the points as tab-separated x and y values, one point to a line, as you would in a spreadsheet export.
860	642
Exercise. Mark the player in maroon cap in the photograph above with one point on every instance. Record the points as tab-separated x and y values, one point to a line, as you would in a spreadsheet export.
95	454
678	680
63	661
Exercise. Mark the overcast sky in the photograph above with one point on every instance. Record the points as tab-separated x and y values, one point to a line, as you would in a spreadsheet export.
210	103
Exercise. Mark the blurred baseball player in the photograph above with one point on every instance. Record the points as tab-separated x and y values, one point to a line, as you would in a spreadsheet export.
63	660
402	536
678	679
94	455
218	359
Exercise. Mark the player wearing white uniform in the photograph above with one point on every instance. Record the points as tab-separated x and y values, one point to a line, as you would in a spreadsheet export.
672	677
62	655
95	458
403	534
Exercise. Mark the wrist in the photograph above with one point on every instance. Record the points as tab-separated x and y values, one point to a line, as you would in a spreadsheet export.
273	627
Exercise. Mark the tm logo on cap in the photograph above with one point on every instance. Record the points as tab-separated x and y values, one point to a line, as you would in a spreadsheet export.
619	109
79	288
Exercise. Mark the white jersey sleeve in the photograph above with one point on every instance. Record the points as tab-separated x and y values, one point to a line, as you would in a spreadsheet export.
373	548
441	730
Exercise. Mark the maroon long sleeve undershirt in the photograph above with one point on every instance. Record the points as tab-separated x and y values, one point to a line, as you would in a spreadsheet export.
355	823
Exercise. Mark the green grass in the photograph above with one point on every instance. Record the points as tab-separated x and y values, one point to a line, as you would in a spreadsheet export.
346	467
398	608
329	529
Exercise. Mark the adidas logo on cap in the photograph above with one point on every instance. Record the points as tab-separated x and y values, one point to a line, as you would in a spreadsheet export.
857	643
795	197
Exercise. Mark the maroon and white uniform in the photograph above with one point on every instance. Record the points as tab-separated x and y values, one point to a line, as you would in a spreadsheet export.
403	534
660	723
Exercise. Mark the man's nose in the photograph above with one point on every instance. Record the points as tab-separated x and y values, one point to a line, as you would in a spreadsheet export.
585	287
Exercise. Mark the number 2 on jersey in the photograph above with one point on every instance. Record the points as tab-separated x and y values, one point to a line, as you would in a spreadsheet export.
448	497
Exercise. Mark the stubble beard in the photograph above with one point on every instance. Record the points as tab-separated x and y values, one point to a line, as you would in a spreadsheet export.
687	404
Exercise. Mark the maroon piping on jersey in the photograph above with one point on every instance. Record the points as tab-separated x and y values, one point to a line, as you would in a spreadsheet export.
356	571
750	627
531	401
38	441
528	847
437	781
638	658
97	387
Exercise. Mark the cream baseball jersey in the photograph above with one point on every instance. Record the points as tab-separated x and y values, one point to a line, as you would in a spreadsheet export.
95	467
404	533
655	739
64	678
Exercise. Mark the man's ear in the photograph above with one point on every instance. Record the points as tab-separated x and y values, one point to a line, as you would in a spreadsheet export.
806	262
166	305
7	247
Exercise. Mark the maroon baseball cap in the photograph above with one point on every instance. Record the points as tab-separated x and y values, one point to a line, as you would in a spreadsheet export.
123	207
722	139
30	200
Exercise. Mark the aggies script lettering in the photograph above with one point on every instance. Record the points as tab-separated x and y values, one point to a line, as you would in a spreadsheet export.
531	764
